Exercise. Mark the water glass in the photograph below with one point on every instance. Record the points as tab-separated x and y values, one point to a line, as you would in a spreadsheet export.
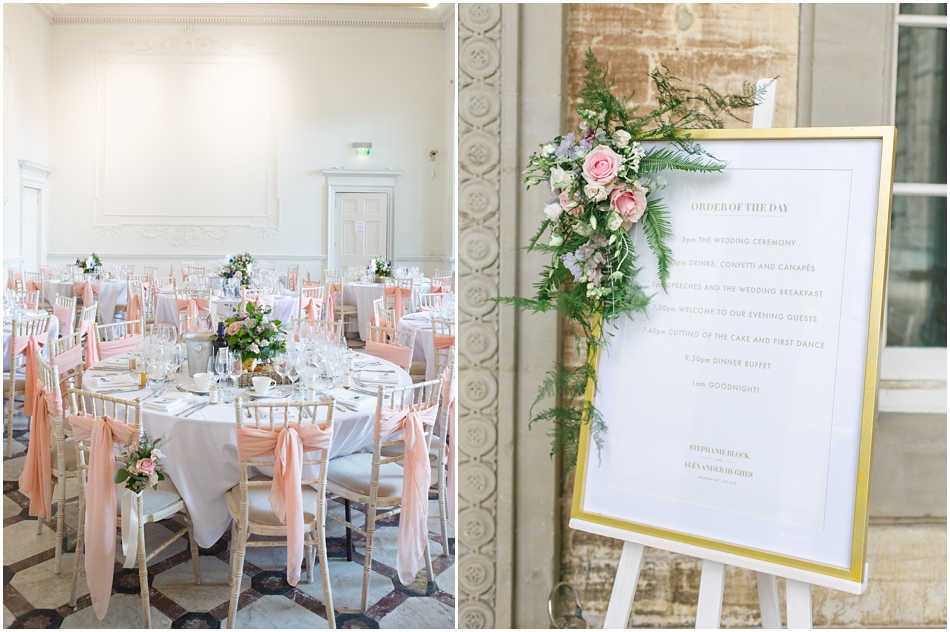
228	390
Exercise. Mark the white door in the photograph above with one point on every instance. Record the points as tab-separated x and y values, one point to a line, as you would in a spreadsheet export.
361	229
29	228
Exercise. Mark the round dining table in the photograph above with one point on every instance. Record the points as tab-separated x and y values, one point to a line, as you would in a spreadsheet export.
362	296
111	293
423	349
52	334
201	456
286	306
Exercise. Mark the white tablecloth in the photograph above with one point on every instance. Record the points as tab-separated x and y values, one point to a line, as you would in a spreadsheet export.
285	308
362	296
110	293
201	458
53	334
423	350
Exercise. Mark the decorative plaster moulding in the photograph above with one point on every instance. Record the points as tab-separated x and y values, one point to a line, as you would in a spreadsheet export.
192	229
419	17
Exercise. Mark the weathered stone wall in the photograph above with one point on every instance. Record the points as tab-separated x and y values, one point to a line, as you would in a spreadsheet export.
723	45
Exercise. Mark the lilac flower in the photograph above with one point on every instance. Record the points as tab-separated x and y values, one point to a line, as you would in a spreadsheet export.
572	263
563	150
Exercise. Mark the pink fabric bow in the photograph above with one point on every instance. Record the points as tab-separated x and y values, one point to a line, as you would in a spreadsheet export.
65	316
88	329
89	291
191	306
261	300
101	502
311	305
292	281
36	480
13	278
328	298
436	289
286	496
381	323
398	294
416	478
34	286
30	345
397	354
448	399
109	348
133	310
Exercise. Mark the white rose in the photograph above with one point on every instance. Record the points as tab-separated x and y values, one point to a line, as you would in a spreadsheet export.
561	179
614	222
253	348
156	455
553	211
556	240
548	149
623	137
90	262
596	192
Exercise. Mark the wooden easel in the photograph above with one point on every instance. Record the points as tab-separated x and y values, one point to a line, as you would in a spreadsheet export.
709	611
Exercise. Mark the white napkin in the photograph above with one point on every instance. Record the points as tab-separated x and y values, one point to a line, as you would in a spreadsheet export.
116	380
170	402
118	362
379	377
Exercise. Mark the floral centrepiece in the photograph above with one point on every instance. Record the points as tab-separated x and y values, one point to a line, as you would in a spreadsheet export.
89	264
236	268
253	334
381	267
142	460
603	185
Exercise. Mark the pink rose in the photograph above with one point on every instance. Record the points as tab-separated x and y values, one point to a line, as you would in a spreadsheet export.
629	203
601	166
145	466
237	274
570	205
234	327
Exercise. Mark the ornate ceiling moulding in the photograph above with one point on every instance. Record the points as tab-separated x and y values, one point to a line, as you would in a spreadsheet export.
410	16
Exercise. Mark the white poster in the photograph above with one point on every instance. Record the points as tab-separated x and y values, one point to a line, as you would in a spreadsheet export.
734	405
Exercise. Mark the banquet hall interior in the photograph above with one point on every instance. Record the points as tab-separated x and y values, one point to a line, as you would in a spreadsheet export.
229	315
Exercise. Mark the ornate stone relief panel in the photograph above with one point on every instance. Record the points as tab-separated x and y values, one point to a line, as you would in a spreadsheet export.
190	223
479	172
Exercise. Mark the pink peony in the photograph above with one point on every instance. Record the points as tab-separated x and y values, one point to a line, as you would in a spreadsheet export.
570	205
629	203
601	166
234	327
145	466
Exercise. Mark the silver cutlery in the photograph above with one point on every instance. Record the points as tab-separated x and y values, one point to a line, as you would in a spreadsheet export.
195	409
120	389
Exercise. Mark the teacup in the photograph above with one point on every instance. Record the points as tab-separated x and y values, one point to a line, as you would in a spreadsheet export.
262	384
202	381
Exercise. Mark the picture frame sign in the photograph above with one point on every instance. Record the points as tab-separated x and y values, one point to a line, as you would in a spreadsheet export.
740	408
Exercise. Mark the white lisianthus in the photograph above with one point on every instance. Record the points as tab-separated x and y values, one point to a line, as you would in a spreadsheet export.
556	240
596	192
253	348
612	239
593	222
561	179
548	149
614	222
156	455
553	211
623	137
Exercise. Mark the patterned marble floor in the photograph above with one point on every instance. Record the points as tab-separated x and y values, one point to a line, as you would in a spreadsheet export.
35	597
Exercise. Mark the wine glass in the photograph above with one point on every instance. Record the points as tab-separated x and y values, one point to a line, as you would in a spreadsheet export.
280	366
293	371
235	366
155	371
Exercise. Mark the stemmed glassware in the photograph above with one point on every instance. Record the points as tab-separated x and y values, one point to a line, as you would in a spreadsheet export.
293	372
280	365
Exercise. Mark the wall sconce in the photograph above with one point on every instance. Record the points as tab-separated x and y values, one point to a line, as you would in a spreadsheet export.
362	149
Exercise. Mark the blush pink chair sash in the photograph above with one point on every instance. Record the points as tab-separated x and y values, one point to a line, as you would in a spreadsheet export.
397	354
332	289
28	345
165	288
261	300
101	502
34	286
109	348
13	278
448	399
65	316
69	359
191	305
88	329
381	323
89	291
286	497
310	305
436	289
398	295
292	282
416	478
133	310
36	480
442	342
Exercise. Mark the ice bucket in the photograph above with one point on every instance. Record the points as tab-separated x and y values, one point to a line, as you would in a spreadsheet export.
198	347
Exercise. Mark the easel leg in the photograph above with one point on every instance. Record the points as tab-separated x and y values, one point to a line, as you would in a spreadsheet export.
798	604
625	585
709	611
768	601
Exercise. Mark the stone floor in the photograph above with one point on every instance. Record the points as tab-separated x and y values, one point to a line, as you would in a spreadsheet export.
35	597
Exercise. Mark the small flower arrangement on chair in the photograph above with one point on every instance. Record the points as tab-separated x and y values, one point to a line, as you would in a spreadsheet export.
142	461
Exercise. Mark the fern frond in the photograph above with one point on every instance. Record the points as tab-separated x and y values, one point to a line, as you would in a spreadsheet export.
661	158
657	228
